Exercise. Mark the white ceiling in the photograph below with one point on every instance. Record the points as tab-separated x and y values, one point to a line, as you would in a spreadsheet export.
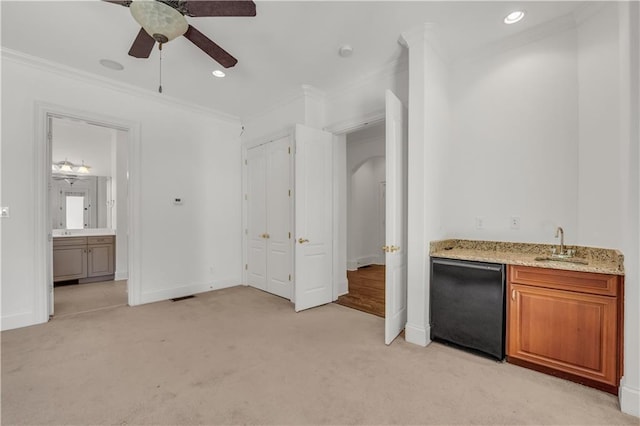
286	45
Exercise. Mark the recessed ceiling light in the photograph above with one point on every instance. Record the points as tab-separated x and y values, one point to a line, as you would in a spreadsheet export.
514	17
218	73
108	63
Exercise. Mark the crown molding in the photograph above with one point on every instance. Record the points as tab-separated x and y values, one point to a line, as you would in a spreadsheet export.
74	73
286	100
587	10
539	32
313	92
389	69
427	33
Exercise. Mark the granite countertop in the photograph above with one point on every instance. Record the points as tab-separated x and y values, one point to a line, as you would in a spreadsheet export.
89	232
598	260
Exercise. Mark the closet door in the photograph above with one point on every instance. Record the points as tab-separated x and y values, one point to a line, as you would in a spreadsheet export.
256	218
278	216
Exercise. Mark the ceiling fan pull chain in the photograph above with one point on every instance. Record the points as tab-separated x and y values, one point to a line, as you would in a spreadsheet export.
160	86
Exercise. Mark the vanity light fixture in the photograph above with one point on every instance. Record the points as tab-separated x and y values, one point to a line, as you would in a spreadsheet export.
513	17
218	73
68	167
65	166
84	169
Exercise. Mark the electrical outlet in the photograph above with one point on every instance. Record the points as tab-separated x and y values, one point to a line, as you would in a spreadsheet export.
4	211
515	222
479	222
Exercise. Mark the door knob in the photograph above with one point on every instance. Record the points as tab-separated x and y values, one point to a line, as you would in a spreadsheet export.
394	249
303	240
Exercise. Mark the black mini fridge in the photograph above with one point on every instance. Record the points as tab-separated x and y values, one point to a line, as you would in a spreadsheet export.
467	305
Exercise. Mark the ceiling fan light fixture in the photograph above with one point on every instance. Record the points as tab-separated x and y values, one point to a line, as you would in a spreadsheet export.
160	21
218	73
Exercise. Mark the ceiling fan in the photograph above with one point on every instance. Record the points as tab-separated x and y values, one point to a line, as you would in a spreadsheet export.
164	20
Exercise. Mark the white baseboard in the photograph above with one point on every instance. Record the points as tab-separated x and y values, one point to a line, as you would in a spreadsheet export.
121	275
374	259
417	335
172	293
25	319
629	399
342	288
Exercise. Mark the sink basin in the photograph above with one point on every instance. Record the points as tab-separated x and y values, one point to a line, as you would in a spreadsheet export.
577	260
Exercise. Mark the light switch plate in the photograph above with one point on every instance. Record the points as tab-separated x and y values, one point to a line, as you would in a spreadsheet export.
4	211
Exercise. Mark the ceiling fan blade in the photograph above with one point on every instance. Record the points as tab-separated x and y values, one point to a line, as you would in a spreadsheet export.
142	45
126	3
220	8
210	48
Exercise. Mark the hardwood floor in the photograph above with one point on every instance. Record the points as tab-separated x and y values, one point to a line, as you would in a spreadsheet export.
366	290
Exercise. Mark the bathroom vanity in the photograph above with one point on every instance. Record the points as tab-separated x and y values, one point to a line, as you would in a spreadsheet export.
86	258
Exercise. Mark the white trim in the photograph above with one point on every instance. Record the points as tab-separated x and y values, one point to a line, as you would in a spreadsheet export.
539	32
356	123
274	136
391	68
629	399
285	100
121	275
69	72
24	319
186	290
43	247
417	335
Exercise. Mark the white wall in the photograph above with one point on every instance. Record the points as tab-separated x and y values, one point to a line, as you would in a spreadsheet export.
599	190
514	144
78	142
184	152
365	214
365	172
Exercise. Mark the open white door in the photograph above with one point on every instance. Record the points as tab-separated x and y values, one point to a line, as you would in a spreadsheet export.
396	234
313	217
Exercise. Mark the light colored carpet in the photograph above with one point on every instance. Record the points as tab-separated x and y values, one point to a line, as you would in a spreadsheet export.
73	299
239	356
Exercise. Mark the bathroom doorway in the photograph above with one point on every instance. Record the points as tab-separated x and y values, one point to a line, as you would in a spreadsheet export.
88	200
366	199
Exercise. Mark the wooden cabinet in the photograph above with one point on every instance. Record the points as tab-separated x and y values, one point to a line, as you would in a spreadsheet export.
566	323
69	258
83	258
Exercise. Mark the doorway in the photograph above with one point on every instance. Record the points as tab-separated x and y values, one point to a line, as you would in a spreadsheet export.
88	215
366	200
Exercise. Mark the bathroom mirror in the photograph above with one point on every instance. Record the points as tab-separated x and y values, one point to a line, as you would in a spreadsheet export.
80	202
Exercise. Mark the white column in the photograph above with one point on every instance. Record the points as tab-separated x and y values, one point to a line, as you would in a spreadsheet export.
629	22
428	133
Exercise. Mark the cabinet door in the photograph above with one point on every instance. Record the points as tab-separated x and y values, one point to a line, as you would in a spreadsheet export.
100	260
69	262
569	332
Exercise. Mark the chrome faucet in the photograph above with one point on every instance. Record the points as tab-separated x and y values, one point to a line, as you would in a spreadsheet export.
560	232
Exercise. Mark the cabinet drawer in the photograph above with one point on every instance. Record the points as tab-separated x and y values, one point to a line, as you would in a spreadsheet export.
583	282
69	241
107	239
